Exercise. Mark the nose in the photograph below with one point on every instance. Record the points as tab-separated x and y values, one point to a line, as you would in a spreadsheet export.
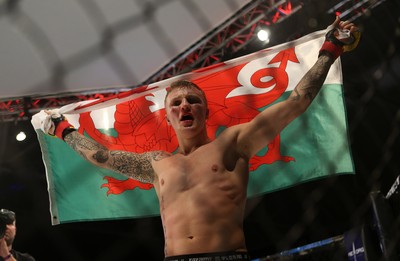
185	105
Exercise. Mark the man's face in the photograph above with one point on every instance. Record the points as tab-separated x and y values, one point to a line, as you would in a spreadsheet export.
11	231
186	108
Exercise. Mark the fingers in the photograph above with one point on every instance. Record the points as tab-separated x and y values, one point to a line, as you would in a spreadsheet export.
335	23
354	28
54	113
347	25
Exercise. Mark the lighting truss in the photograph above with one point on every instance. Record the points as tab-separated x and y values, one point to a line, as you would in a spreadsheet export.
228	38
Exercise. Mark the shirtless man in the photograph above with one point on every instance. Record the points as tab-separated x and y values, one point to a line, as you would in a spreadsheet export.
202	188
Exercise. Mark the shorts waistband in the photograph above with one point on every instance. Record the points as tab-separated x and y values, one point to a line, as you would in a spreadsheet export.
217	256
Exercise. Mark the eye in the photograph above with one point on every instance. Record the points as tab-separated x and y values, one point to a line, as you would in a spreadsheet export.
176	102
193	99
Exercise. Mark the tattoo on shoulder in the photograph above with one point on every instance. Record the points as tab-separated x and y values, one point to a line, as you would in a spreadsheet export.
136	165
133	165
159	155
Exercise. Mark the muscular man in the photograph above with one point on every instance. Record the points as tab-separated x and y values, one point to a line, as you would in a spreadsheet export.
202	187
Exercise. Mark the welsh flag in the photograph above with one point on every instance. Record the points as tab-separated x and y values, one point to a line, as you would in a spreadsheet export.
313	146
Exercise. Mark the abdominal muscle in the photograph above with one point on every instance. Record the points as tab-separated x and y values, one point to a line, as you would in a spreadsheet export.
202	198
202	222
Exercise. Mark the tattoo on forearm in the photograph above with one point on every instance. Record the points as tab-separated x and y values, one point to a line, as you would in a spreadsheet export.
83	145
133	165
312	81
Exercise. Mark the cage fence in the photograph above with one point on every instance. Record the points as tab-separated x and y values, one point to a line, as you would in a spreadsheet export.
369	202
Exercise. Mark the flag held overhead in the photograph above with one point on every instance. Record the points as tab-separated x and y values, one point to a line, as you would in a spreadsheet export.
313	146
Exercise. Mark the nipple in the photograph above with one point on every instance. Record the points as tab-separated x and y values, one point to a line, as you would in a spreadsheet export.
214	167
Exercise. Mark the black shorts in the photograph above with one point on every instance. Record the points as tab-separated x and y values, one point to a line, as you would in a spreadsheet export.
217	256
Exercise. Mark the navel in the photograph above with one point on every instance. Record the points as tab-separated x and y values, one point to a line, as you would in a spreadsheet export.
162	182
214	168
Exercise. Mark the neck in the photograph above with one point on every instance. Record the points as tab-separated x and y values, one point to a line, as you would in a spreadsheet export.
189	145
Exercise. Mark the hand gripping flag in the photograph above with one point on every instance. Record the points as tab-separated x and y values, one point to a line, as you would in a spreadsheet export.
313	146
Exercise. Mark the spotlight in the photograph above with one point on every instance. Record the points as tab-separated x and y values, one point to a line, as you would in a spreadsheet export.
21	136
263	35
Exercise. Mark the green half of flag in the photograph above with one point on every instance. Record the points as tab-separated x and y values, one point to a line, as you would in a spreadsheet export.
76	192
317	141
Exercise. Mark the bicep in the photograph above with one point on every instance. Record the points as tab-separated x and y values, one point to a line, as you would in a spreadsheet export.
260	131
268	124
133	165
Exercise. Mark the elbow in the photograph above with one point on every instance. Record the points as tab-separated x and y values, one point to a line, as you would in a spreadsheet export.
298	110
100	156
303	108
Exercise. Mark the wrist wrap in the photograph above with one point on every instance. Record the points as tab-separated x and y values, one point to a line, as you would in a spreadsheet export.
62	127
332	46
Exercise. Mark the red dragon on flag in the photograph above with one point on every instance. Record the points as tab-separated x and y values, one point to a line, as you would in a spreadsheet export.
141	126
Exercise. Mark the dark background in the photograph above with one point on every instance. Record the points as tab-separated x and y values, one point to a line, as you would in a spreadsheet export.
281	220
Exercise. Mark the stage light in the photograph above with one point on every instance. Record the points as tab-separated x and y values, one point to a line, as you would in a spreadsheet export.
263	35
21	136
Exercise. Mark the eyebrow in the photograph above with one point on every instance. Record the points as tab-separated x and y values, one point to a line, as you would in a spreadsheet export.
190	96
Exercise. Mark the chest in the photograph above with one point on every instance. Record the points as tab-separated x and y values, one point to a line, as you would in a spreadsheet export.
204	168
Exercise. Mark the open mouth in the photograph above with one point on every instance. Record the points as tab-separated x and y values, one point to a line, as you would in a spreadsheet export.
187	118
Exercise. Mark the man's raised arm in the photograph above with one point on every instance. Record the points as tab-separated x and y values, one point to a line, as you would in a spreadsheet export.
341	36
133	165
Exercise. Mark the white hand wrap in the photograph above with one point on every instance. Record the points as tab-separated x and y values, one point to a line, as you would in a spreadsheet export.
44	119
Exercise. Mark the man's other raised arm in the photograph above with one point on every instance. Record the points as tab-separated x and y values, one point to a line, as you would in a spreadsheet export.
259	132
133	165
